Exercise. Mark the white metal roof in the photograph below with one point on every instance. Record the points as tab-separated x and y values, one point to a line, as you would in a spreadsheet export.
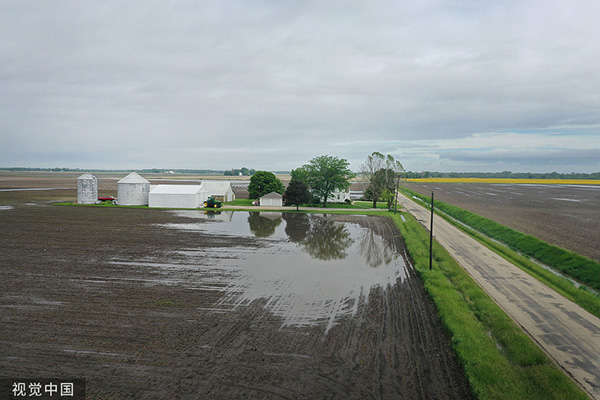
178	189
217	188
272	195
87	175
133	177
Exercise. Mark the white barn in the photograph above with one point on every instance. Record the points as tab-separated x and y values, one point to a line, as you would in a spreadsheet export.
133	190
220	190
178	196
271	199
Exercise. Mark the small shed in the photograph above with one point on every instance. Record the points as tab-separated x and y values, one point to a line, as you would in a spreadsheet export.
220	190
133	190
87	189
271	199
178	196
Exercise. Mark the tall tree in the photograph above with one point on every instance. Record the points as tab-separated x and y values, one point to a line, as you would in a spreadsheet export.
264	182
297	193
378	173
325	174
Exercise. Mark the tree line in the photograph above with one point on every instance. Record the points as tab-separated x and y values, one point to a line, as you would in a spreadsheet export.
240	172
322	176
317	179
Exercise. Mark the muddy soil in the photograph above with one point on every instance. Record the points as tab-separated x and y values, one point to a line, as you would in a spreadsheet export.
133	331
566	216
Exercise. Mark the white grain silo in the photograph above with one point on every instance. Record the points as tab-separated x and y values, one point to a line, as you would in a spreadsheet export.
133	190
87	189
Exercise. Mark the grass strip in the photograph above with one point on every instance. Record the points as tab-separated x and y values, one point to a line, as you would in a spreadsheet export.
499	359
572	264
579	295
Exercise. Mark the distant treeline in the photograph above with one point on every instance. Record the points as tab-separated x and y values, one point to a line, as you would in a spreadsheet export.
503	175
242	171
408	174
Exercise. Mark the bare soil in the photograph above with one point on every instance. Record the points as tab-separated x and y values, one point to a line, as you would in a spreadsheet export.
67	310
566	216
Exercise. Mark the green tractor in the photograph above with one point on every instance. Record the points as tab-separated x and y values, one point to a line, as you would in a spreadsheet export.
212	203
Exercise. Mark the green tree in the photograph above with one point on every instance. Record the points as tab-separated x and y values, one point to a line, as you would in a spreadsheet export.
264	182
297	193
379	173
325	174
300	174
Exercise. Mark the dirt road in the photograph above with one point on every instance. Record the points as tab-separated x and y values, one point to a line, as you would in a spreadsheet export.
569	334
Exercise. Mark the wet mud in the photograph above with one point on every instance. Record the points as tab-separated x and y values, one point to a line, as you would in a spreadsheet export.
160	304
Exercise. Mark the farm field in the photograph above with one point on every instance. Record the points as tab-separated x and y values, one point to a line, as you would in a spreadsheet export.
564	215
159	304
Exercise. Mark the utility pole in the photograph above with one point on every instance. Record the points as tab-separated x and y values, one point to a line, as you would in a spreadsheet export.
431	236
396	195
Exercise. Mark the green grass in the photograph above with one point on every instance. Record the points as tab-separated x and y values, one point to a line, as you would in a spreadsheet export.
499	359
240	202
369	204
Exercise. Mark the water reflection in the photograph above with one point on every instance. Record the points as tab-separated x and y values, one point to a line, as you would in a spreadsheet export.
375	249
263	224
311	270
296	226
326	240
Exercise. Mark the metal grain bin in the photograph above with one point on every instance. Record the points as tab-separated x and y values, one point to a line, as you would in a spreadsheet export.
133	190
87	189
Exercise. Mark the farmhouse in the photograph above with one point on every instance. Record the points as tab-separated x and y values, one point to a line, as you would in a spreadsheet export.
178	196
271	199
339	196
133	190
220	190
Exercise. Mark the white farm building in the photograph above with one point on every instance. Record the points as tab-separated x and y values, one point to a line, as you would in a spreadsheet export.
178	196
339	196
271	199
220	190
133	190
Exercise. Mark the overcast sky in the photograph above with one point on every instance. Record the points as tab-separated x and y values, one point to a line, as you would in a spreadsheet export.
441	85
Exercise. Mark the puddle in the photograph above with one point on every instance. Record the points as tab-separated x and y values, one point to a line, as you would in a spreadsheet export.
311	270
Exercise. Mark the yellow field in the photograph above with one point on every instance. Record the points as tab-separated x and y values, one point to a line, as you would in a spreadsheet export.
509	181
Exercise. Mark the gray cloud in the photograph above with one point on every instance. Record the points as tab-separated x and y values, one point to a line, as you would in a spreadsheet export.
225	84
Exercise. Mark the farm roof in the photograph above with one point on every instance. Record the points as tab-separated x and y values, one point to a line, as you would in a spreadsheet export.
133	177
272	195
178	189
218	188
87	175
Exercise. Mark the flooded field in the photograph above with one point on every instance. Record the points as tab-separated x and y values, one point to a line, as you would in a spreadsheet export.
311	270
181	304
564	215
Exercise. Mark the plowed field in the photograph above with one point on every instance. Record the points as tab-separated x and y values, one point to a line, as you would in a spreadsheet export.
564	215
159	304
